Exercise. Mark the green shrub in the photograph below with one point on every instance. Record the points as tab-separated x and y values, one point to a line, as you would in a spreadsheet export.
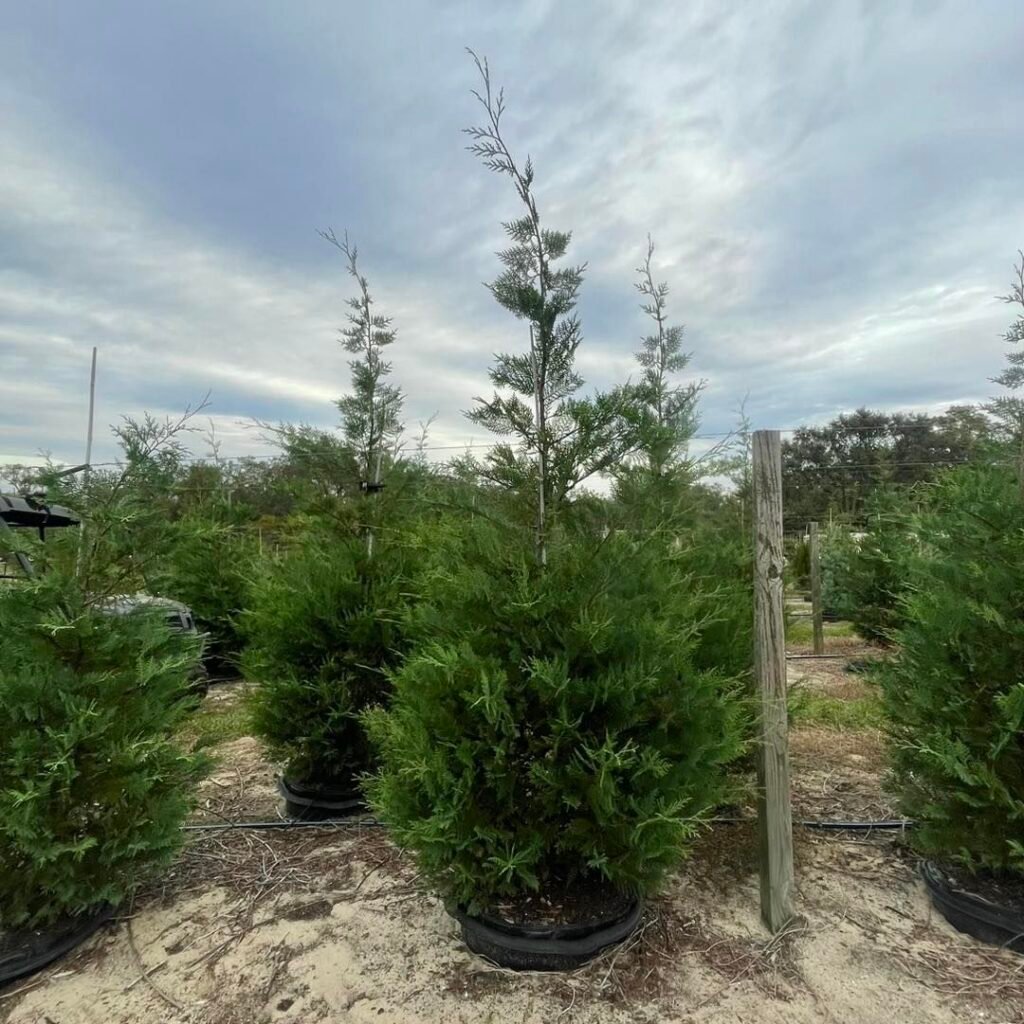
798	562
954	691
94	785
208	566
550	724
865	578
322	625
717	559
838	548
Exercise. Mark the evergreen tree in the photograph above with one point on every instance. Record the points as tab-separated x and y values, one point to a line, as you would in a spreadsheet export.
1009	409
954	690
322	626
371	414
555	722
561	439
94	783
551	725
671	406
866	579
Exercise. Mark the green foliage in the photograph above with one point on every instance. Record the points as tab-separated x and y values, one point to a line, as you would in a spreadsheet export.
322	625
559	439
798	561
865	578
552	723
840	713
837	550
801	630
94	784
834	470
670	407
954	691
1009	409
717	557
218	722
208	566
370	415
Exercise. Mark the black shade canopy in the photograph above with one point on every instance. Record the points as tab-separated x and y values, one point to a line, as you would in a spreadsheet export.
16	510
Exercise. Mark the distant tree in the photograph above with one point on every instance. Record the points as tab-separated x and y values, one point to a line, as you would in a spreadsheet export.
835	468
561	440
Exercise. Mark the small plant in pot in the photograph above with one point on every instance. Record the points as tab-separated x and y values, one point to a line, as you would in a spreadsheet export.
954	697
94	783
550	747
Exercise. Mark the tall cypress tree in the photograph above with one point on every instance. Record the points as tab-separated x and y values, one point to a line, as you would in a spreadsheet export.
1009	409
670	405
560	439
370	416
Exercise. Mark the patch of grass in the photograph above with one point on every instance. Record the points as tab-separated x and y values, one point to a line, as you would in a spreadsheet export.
219	722
855	714
801	631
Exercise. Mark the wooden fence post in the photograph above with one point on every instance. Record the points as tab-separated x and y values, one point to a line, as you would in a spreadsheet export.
774	811
815	560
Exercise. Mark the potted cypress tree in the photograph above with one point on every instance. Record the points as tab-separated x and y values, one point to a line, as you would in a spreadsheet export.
94	783
551	745
954	691
954	697
322	625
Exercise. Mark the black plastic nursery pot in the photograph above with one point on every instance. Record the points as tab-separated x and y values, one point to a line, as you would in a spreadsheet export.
311	801
26	950
546	947
972	915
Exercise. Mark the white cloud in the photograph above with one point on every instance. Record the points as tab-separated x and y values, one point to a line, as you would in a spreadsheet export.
831	190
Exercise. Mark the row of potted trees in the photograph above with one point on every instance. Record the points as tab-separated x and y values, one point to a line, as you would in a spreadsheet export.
529	702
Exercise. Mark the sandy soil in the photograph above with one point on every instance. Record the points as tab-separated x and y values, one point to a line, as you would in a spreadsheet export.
332	925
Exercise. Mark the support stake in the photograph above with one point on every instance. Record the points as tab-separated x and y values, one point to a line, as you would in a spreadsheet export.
774	811
815	560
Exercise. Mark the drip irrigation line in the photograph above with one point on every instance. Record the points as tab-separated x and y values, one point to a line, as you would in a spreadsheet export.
234	826
885	824
819	657
828	825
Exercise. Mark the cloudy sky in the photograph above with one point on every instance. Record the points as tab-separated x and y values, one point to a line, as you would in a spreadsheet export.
836	192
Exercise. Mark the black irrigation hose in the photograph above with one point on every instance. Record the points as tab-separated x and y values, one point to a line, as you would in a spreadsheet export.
886	824
230	826
890	824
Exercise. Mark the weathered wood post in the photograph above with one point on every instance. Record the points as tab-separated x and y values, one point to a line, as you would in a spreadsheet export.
774	812
815	560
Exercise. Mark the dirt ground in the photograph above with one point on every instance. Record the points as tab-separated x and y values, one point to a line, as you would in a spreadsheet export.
332	925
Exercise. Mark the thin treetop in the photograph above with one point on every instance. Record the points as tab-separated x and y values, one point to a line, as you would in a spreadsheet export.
561	440
672	406
370	415
1009	408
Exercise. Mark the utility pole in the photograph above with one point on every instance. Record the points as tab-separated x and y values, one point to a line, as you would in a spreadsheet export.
92	409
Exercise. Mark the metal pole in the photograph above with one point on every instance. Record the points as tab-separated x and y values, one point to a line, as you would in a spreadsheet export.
92	409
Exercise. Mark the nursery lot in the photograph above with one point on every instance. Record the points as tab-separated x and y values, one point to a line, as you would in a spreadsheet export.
332	924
